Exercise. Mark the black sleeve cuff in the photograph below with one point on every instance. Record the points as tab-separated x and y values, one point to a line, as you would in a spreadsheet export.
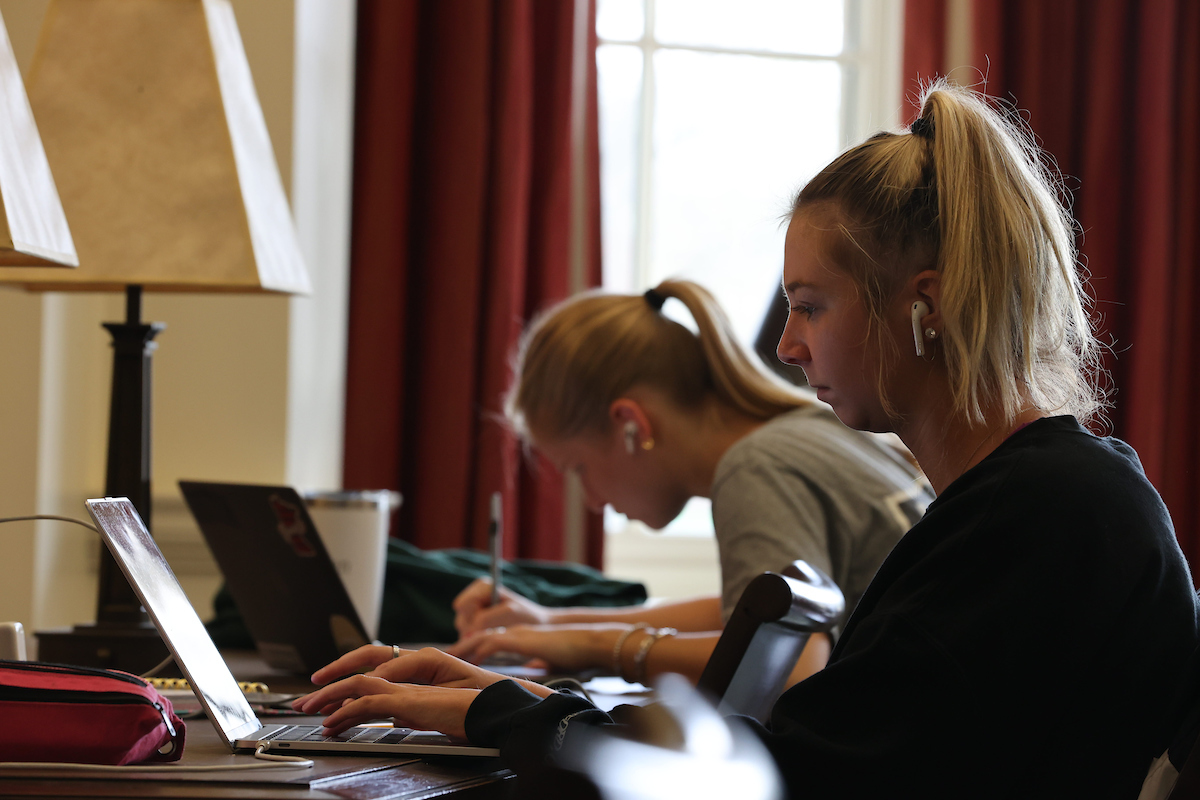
524	726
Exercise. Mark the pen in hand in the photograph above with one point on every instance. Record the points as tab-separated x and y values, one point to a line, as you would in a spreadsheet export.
495	542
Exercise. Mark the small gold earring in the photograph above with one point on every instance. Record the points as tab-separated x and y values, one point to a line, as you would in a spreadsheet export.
648	444
931	333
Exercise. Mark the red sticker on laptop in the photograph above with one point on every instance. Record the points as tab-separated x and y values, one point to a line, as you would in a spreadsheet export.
290	524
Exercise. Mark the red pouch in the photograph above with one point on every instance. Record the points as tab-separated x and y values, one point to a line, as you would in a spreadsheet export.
84	715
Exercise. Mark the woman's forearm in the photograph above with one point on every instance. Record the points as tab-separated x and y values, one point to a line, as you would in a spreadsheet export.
696	614
688	653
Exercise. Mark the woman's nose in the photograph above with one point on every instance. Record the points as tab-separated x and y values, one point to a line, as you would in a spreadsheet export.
792	350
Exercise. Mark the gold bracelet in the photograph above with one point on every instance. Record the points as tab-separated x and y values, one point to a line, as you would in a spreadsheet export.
639	658
637	626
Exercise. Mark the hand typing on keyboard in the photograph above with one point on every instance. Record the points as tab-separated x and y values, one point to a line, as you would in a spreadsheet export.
423	689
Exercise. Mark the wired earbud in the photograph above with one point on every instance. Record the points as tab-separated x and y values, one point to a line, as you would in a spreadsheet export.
631	432
919	309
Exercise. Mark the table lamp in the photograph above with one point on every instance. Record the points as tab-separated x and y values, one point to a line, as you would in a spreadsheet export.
152	125
33	229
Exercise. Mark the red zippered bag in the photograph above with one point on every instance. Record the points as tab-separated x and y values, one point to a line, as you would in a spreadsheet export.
84	715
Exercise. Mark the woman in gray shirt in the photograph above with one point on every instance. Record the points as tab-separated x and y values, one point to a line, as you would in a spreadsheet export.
650	414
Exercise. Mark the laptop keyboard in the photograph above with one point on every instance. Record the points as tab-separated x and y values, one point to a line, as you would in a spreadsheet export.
312	733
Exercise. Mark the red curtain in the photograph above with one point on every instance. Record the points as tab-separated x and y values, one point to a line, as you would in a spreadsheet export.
1111	88
466	113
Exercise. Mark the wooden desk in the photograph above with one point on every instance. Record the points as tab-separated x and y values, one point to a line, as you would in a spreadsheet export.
332	777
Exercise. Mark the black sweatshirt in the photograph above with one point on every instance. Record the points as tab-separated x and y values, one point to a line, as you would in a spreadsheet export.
1027	638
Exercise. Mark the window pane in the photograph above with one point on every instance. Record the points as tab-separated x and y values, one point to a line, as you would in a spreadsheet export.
813	27
694	520
620	90
735	137
620	19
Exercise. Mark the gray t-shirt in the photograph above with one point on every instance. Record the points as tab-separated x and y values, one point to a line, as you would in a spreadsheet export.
804	486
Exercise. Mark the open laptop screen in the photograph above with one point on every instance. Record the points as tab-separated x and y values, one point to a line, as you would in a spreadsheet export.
163	598
279	572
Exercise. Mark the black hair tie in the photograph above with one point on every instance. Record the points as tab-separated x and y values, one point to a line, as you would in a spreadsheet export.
654	299
923	127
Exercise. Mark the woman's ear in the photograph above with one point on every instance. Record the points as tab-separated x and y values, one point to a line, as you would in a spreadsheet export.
631	424
927	288
924	305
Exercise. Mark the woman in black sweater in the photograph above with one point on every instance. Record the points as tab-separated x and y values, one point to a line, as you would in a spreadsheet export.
1029	635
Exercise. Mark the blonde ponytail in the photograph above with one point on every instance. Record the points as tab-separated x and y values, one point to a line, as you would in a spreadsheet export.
968	193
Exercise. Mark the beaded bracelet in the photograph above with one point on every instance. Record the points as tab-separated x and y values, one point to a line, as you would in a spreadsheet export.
639	658
637	626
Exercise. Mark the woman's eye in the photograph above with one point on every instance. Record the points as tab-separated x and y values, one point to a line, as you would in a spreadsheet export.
807	311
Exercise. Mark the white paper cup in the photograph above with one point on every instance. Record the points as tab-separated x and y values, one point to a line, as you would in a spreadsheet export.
354	529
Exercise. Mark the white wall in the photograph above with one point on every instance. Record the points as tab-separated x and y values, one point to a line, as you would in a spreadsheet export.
324	114
246	388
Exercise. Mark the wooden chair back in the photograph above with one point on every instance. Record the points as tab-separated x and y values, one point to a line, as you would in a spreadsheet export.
764	637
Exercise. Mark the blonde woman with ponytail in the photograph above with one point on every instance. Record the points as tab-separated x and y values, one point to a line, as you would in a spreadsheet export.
649	415
1033	635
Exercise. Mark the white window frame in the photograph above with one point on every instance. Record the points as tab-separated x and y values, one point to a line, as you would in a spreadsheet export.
870	61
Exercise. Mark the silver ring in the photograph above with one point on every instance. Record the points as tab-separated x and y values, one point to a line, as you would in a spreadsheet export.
395	651
493	631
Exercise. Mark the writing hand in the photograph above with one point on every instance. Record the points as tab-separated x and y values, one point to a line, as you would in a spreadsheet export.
473	611
563	648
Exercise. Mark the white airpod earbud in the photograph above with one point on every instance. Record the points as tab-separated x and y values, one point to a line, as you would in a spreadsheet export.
919	309
631	432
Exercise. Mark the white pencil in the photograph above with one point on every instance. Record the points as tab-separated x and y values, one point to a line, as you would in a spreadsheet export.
495	544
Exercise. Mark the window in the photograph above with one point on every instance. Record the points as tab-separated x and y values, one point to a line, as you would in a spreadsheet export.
712	114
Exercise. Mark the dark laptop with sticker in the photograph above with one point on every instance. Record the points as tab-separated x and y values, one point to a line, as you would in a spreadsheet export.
214	685
277	570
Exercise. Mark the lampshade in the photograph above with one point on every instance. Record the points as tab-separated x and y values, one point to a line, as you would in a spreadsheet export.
33	229
152	126
166	172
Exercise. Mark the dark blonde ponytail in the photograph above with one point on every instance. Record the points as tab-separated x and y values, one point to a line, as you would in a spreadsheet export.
578	357
736	377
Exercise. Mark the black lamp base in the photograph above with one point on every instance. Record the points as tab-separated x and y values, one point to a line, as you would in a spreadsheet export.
122	636
130	647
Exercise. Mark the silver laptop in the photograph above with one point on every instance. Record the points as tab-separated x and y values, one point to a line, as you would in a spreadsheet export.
151	577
